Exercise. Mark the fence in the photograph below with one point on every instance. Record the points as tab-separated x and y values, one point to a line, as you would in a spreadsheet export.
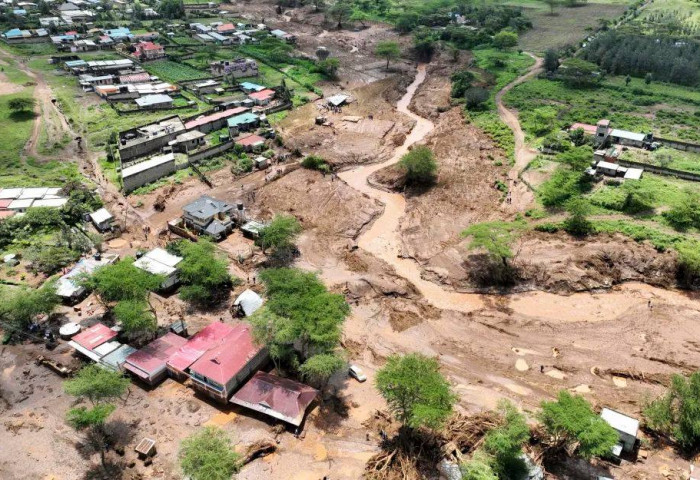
211	151
679	145
693	177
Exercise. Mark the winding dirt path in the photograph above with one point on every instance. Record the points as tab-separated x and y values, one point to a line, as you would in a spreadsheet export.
383	241
521	196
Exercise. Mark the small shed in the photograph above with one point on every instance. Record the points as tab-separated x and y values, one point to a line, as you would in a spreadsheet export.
338	100
252	229
634	173
247	303
102	219
625	426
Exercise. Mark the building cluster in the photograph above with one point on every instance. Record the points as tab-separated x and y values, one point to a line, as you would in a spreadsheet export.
226	33
18	200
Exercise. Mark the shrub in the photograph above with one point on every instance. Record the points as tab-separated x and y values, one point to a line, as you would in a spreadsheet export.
419	165
677	413
476	97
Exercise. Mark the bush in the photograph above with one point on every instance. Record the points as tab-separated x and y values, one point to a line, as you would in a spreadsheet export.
314	162
476	97
505	39
677	413
419	165
244	165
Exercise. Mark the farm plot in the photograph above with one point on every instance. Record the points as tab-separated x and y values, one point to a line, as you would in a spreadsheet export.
174	72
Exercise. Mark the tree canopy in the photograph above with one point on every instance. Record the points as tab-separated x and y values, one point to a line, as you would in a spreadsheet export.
280	233
572	420
207	455
505	39
415	390
21	104
504	443
677	413
203	273
19	307
96	384
419	165
388	50
135	317
122	281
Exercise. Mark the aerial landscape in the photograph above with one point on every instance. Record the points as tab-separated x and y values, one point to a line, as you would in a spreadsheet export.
350	239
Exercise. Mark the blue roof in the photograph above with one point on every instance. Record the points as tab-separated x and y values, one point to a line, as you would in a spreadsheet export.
242	119
114	31
75	63
252	86
19	11
15	32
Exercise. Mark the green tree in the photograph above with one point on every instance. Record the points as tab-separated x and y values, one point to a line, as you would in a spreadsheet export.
686	213
21	104
20	306
570	420
203	273
495	238
505	442
49	259
122	281
628	79
648	78
96	384
505	39
360	16
328	67
552	4
637	200
314	162
419	165
171	9
543	120
136	318
339	12
551	60
207	455
461	81
579	73
577	137
415	390
478	468
277	334
476	97
577	159
677	412
388	50
577	222
280	233
318	369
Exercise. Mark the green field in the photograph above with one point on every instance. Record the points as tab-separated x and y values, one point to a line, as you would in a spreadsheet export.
174	72
670	16
665	157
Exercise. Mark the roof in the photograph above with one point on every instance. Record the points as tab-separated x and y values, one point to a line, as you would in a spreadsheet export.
608	165
191	135
50	202
251	140
225	27
20	204
338	99
215	228
151	359
4	203
148	164
206	207
587	128
277	397
195	347
116	358
604	122
94	336
263	94
217	36
634	173
199	121
148	46
253	226
135	77
277	32
638	137
242	119
101	216
620	422
249	301
10	193
252	86
158	262
225	360
33	192
154	99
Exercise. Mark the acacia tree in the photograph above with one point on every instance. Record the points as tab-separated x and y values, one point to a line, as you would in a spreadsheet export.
677	412
320	368
417	393
419	165
388	50
279	234
99	386
340	11
204	274
504	443
207	455
495	238
19	307
21	104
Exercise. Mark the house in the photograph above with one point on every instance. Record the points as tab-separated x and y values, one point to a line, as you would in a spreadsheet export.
206	86
103	66
83	46
249	87
134	78
279	398
89	82
48	21
189	141
625	426
67	286
149	363
149	51
220	39
95	342
179	362
79	16
116	358
282	35
148	171
154	102
247	303
610	169
204	38
226	29
632	139
118	34
102	219
160	262
251	143
338	100
587	128
224	367
145	139
242	123
263	97
252	229
146	37
238	68
213	121
209	216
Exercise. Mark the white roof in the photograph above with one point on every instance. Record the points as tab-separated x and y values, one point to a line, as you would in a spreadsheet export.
338	99
249	302
148	164
634	173
154	267
10	193
33	192
50	202
106	348
19	204
608	165
52	191
162	256
620	422
639	137
101	215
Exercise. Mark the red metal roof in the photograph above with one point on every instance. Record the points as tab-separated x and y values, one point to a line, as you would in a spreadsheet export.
6	213
195	347
94	336
250	140
4	203
153	356
223	362
135	77
226	27
589	129
263	94
278	397
148	46
197	122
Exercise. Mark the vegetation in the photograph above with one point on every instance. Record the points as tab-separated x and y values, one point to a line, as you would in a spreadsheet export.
19	307
314	162
135	318
207	455
419	165
571	421
388	50
203	273
505	39
318	369
504	443
122	281
677	413
495	239
478	468
22	104
279	235
415	390
577	223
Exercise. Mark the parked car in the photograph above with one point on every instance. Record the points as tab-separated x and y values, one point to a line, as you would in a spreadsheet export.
357	373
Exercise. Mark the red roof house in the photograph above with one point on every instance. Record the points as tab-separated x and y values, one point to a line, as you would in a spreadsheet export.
263	97
277	397
214	118
149	50
187	354
226	28
149	363
251	142
587	129
220	370
95	342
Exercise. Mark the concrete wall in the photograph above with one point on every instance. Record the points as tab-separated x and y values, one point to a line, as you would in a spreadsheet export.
147	176
693	177
678	145
210	152
144	148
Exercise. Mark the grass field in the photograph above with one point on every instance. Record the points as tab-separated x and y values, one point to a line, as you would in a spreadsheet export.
666	110
174	72
669	16
665	157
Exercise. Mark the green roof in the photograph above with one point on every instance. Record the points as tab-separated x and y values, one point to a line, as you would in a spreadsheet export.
242	119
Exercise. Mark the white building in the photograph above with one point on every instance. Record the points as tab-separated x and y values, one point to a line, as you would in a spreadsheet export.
160	262
625	426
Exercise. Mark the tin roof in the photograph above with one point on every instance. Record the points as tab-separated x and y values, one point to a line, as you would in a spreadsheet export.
251	140
94	336
225	360
277	397
197	122
620	422
262	94
195	347
249	301
151	359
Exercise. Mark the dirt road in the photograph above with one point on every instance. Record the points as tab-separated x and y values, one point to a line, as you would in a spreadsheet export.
521	196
